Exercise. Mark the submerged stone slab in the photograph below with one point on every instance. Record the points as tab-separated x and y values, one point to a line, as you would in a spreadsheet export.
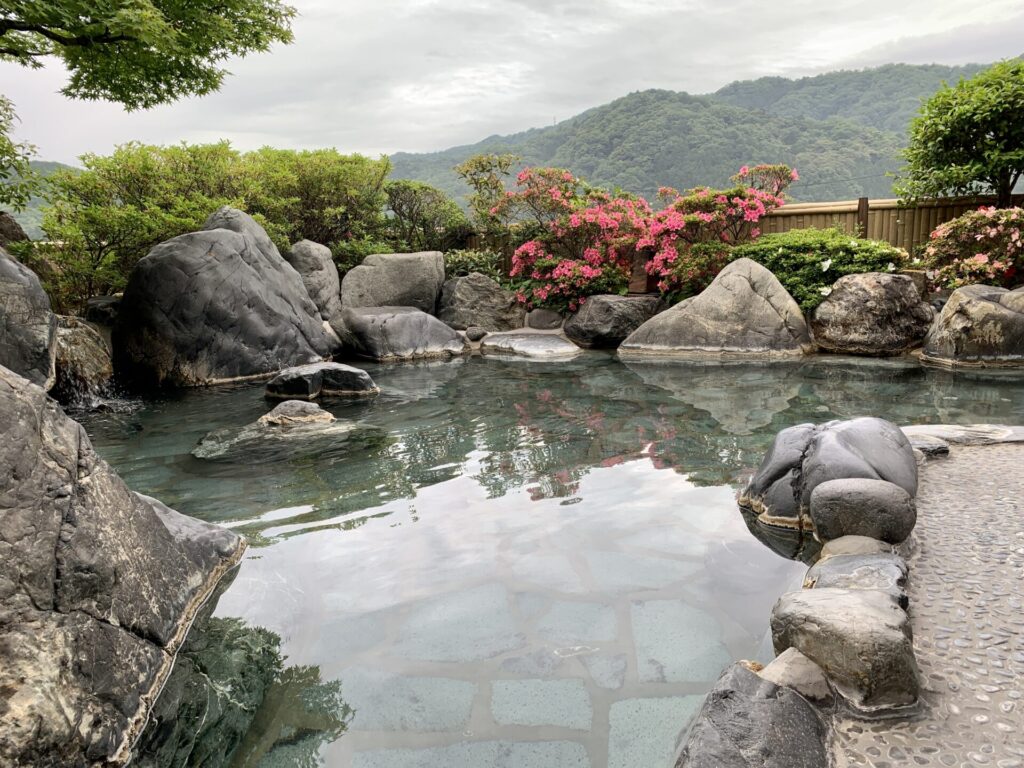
885	572
568	623
646	732
98	587
492	754
750	722
308	382
559	703
862	507
388	702
677	642
745	310
536	346
624	572
606	671
483	618
860	638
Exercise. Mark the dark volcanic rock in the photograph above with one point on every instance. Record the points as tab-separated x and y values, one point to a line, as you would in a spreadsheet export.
84	367
102	310
315	265
399	333
98	586
215	305
979	326
28	329
544	320
477	300
750	722
862	507
395	280
860	638
10	230
872	314
307	382
803	457
744	311
606	321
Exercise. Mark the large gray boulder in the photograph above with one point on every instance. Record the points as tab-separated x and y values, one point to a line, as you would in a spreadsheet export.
28	329
856	506
606	321
215	305
980	326
319	274
750	722
745	311
873	313
803	457
98	587
478	301
395	280
83	364
399	333
861	639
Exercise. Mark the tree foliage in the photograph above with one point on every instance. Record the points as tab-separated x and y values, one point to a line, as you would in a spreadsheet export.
18	180
969	138
423	218
140	53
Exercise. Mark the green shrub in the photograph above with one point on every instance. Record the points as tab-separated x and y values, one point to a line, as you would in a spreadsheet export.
461	263
808	261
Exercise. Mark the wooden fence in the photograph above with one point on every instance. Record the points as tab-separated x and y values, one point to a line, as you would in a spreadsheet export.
906	226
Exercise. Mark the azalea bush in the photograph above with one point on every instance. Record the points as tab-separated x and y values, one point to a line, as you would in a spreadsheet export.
808	261
584	240
705	216
983	246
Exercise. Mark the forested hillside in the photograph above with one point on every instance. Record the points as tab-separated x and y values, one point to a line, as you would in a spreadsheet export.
841	130
31	218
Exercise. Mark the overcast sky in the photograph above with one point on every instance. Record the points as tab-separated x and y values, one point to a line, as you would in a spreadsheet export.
378	76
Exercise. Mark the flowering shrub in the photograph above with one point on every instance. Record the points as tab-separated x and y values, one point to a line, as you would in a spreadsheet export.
808	261
586	239
704	215
983	246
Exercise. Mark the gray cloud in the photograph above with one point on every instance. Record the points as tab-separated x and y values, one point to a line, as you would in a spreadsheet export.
427	74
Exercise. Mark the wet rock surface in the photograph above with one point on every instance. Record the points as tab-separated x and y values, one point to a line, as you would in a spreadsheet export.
399	333
750	722
98	586
215	305
308	382
606	321
478	301
979	326
28	329
536	346
856	506
861	639
872	313
395	280
84	368
884	572
968	619
745	311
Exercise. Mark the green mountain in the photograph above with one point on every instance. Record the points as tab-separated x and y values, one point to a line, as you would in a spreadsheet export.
31	218
841	130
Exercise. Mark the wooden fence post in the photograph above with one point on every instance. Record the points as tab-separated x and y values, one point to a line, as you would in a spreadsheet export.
863	210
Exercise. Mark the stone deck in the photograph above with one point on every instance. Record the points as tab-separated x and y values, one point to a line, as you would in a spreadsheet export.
967	606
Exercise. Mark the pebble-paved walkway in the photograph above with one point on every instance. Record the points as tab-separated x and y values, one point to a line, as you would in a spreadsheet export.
967	606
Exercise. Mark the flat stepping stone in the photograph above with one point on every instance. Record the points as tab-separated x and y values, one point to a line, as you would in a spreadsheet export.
537	346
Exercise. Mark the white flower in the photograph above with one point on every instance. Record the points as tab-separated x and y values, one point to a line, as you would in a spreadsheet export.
917	260
853	243
826	264
825	291
890	267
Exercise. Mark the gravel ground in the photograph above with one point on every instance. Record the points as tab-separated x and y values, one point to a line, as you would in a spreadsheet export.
966	600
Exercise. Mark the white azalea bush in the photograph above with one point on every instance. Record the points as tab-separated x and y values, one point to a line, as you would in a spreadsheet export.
808	261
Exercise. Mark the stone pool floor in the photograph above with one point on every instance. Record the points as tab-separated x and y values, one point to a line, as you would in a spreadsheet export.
967	608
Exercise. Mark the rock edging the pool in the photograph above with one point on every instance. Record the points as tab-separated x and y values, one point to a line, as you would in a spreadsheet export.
844	641
98	589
